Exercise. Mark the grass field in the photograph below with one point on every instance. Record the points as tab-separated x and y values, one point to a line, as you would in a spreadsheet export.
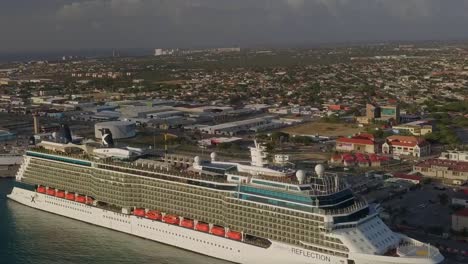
324	129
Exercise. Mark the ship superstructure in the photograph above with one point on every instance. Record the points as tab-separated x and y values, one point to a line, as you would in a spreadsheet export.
244	213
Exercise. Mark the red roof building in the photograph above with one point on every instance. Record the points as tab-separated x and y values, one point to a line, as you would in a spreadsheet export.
334	107
364	143
416	179
462	212
406	145
454	171
338	107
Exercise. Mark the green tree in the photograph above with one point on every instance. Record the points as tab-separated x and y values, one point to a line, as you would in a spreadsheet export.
426	181
331	119
279	136
302	140
224	146
262	137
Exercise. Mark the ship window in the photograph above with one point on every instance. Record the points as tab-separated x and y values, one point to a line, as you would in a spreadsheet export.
271	184
275	194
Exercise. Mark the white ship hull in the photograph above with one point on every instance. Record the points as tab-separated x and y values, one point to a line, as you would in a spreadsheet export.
199	242
188	239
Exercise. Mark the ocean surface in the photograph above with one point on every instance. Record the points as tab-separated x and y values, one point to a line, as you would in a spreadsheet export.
32	236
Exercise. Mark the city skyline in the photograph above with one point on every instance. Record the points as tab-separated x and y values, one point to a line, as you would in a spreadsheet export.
104	24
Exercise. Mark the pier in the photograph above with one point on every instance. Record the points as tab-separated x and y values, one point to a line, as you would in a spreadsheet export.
9	165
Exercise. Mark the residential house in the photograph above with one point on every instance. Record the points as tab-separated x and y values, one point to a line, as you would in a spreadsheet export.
416	128
362	143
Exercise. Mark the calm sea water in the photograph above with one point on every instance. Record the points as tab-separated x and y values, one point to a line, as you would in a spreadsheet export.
31	236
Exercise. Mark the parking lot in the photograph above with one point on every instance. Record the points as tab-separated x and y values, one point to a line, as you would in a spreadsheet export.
422	208
419	213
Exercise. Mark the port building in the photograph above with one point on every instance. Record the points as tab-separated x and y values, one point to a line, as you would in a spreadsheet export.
119	129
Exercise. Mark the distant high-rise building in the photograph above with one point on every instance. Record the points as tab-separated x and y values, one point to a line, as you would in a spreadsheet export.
158	52
390	112
235	49
372	111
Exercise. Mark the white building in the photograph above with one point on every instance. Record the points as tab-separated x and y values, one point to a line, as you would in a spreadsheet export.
454	155
416	128
233	128
158	52
407	146
142	111
119	129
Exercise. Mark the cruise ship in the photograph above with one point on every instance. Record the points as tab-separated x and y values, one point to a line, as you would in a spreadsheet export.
250	213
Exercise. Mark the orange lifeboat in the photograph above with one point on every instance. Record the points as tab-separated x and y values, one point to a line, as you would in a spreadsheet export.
41	189
81	199
51	192
89	200
60	194
203	227
139	212
218	231
70	196
171	219
234	235
188	223
154	215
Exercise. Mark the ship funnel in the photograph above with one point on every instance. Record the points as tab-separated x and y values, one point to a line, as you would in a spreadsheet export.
319	170
301	176
32	141
65	133
107	139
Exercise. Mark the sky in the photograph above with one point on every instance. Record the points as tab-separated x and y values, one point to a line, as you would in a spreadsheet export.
48	25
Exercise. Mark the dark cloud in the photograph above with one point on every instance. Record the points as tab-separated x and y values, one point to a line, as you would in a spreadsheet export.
68	24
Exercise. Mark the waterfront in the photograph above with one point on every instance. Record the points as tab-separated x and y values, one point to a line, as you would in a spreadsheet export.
32	236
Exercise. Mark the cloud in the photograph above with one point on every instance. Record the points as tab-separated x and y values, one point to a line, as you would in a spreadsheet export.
149	23
78	10
126	7
258	21
105	8
295	4
96	25
409	9
399	9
